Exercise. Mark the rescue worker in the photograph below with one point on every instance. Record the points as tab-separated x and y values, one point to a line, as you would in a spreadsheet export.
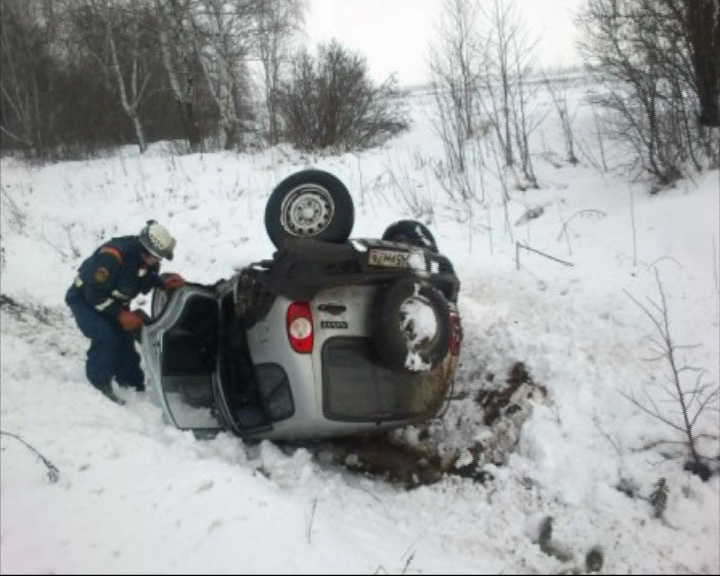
100	298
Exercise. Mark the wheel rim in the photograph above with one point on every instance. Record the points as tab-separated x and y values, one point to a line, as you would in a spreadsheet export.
307	211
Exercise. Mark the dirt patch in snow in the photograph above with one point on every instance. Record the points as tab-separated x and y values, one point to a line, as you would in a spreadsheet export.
413	464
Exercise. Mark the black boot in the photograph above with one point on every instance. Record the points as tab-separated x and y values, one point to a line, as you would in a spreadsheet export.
140	387
107	390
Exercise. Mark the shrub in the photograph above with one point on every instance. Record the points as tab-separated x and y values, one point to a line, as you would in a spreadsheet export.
330	102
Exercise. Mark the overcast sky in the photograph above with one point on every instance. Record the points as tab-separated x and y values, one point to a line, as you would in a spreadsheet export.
394	34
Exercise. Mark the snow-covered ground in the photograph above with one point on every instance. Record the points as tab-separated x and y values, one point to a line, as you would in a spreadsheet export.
136	496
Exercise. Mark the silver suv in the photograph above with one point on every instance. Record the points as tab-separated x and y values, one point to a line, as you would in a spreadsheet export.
332	336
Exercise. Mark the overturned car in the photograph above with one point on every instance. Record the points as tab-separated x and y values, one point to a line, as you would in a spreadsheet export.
332	336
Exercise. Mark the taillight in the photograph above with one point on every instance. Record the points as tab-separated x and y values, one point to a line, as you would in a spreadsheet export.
300	327
455	333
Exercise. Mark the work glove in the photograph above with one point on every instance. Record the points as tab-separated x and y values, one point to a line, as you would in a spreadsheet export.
130	321
172	281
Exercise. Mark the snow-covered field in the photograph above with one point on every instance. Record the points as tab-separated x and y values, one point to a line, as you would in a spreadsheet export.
135	496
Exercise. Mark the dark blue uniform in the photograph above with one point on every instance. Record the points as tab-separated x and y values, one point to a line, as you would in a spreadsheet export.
106	283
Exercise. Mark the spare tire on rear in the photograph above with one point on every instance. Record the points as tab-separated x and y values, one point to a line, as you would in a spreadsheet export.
309	204
411	328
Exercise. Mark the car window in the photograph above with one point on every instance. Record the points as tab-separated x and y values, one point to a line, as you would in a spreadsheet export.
358	389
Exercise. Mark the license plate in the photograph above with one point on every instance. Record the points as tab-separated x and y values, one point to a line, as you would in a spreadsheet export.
388	258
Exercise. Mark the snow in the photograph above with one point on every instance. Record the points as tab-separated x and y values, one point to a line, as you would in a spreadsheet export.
419	322
137	496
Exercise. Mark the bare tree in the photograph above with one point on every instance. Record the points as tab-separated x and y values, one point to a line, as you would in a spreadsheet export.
75	71
116	35
500	30
26	78
479	67
131	91
224	34
558	92
457	61
693	399
330	102
511	53
178	56
278	21
299	103
701	27
456	64
644	50
525	121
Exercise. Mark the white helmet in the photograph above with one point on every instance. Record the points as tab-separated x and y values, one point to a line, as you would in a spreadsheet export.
157	240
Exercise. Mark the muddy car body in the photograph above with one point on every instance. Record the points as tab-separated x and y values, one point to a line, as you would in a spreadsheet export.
327	338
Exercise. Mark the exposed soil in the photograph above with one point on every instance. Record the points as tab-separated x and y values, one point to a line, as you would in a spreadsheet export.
504	409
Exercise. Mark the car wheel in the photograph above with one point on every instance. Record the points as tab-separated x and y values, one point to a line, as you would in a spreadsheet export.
411	326
411	232
309	204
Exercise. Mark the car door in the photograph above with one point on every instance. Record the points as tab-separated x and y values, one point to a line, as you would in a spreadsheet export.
180	351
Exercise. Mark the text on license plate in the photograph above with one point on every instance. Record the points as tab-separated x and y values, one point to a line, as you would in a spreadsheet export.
388	258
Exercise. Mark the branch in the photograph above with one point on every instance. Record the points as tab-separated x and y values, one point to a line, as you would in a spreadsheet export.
661	320
703	405
648	411
53	472
14	137
599	213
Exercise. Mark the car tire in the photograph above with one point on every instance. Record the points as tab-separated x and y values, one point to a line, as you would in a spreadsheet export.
411	232
309	204
399	342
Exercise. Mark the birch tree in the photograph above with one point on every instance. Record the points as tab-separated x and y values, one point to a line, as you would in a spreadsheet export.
118	38
25	100
224	35
178	55
130	90
278	22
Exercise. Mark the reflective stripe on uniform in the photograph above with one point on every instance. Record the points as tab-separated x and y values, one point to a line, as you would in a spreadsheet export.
104	304
120	295
142	272
112	251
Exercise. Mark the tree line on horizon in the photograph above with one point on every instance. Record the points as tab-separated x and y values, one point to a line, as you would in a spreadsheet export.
78	76
656	96
83	75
